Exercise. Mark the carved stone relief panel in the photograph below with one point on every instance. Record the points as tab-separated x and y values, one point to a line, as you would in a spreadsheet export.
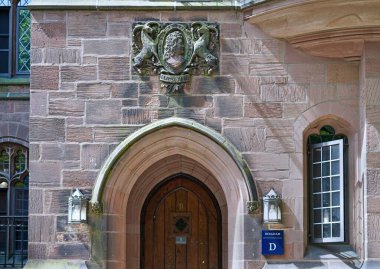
175	51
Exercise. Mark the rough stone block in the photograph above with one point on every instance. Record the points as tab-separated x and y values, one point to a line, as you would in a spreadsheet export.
45	35
234	65
78	178
373	203
150	87
283	93
119	29
225	16
36	56
60	56
63	107
248	85
262	110
373	187
292	188
153	100
55	16
293	110
230	30
44	77
86	24
373	227
229	106
343	73
78	134
93	90
71	152
124	90
373	159
106	47
56	201
49	173
264	186
190	101
42	228
52	152
212	85
236	46
47	129
35	201
246	139
103	112
184	15
93	155
79	251
78	73
267	161
307	73
267	69
34	152
112	134
372	67
373	250
319	93
373	138
114	68
37	250
280	145
136	116
373	114
372	93
193	114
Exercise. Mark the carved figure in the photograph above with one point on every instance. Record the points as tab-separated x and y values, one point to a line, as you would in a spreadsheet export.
202	31
174	50
149	44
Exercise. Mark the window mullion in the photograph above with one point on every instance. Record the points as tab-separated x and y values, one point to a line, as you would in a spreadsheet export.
13	39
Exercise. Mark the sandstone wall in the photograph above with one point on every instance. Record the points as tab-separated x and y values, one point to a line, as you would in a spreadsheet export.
85	99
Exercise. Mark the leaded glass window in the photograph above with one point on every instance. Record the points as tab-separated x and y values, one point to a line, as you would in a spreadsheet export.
14	37
14	196
327	175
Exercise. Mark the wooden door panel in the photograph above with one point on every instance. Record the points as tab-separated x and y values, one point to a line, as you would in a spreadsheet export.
181	227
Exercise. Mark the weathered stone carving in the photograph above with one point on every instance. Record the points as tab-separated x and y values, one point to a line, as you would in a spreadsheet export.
175	51
253	207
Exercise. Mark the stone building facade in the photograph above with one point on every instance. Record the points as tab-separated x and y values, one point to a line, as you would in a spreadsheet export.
286	70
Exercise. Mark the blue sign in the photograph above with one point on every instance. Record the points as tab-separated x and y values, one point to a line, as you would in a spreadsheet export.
272	242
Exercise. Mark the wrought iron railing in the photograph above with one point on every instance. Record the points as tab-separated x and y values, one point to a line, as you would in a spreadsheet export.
13	241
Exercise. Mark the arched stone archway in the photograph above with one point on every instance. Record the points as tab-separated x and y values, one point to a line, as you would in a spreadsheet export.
160	150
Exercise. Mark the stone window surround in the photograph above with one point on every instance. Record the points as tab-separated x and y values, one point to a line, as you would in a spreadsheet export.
344	121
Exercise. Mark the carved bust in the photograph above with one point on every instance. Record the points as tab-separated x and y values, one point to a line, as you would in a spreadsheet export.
174	50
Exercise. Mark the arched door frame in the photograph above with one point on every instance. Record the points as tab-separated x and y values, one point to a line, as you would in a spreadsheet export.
141	161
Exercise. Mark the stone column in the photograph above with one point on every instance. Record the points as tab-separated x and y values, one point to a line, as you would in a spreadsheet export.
370	123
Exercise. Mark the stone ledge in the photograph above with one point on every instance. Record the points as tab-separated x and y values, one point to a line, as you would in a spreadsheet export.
334	29
55	264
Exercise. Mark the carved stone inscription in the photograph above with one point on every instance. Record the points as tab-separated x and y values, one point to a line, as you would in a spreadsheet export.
175	51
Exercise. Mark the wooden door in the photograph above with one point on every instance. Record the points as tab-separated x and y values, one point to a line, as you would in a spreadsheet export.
181	227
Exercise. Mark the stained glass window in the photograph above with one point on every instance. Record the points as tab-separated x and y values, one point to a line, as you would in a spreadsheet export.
14	26
23	39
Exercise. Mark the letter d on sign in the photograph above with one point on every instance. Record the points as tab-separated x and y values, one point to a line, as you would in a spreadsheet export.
272	246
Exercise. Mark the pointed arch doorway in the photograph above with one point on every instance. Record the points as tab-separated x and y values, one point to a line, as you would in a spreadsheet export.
181	226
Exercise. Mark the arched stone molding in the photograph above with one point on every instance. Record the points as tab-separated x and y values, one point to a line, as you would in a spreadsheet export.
162	124
157	152
14	132
344	119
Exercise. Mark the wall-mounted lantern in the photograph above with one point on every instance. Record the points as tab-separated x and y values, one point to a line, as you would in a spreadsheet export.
77	207
272	210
